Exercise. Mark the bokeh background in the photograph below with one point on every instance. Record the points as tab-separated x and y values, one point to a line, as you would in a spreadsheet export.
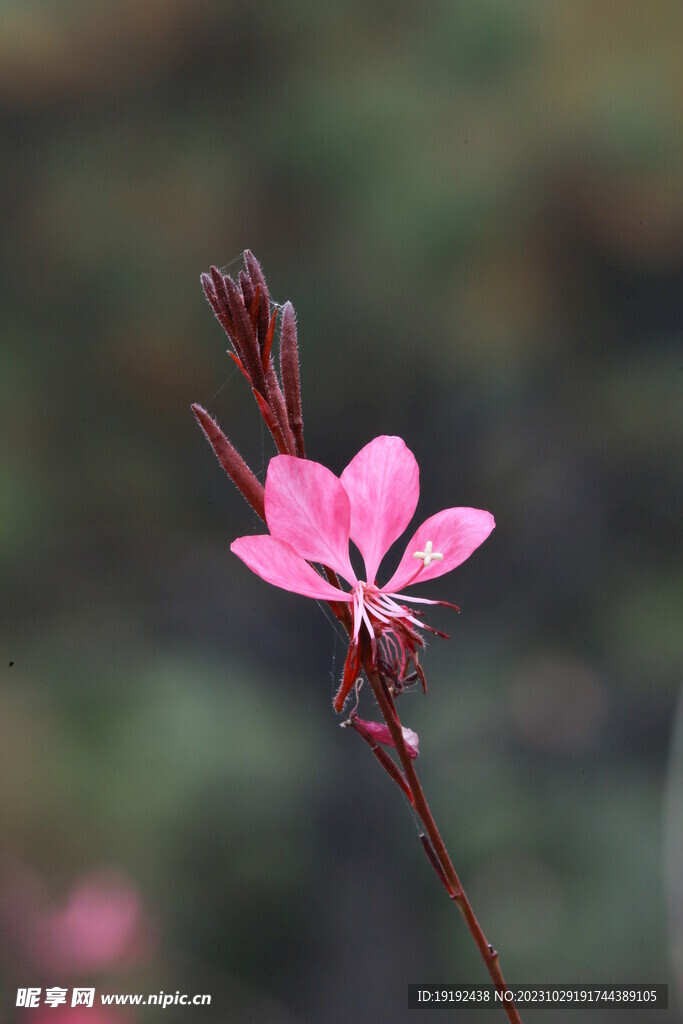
476	208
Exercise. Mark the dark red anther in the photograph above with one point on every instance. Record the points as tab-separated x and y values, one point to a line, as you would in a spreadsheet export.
437	632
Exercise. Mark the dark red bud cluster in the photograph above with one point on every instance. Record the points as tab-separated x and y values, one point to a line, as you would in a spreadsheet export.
243	309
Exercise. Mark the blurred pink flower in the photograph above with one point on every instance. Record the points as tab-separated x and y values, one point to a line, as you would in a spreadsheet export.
101	923
77	1015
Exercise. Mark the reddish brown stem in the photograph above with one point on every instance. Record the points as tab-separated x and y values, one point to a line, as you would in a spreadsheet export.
390	767
388	709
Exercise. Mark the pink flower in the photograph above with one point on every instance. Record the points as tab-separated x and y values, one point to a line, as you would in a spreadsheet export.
78	1015
312	515
100	924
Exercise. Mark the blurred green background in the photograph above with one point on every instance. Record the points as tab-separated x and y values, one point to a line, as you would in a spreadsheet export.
476	209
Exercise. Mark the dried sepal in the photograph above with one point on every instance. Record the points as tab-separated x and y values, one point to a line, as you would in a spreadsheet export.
349	677
378	732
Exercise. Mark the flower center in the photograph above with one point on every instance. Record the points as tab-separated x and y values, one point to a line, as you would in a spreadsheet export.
381	611
369	601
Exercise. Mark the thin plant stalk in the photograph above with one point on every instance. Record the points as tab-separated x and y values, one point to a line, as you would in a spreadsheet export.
244	313
422	809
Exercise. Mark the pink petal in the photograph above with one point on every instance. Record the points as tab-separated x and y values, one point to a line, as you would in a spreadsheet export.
412	741
382	483
455	533
278	563
307	507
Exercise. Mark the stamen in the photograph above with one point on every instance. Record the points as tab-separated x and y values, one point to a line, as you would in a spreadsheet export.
366	620
375	609
397	612
416	600
357	614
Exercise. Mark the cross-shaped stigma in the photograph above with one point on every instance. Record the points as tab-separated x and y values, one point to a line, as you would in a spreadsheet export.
428	555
